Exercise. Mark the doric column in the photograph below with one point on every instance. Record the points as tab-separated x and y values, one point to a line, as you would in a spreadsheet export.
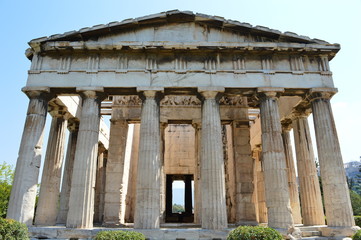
262	208
149	163
132	182
246	209
275	169
47	209
162	175
310	193
197	174
23	193
114	202
100	184
335	190
291	170
214	214
73	127
81	202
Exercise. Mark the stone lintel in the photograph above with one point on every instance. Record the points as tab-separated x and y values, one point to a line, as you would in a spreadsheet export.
338	231
92	89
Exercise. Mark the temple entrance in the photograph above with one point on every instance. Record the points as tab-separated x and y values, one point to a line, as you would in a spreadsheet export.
180	215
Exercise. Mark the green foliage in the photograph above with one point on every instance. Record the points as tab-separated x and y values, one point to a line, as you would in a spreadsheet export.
357	220
12	230
177	208
357	236
119	235
254	233
6	179
356	203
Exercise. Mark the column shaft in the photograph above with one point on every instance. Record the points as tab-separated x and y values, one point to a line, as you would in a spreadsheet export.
47	209
262	208
149	164
68	172
311	201
214	214
292	180
275	170
197	176
246	209
335	190
81	202
114	208
100	185
23	192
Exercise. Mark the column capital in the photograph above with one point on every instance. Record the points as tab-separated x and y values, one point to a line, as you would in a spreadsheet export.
286	124
269	92
92	92
211	92
321	93
150	93
300	112
73	124
38	92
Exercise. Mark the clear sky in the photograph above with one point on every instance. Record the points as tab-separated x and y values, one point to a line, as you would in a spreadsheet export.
331	20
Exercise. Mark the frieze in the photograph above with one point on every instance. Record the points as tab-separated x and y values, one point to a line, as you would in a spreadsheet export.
172	100
131	100
232	101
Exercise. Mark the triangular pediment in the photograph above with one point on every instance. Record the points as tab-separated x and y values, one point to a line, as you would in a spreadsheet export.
178	26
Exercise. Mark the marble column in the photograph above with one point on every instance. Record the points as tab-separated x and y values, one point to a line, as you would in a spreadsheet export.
336	194
246	209
100	184
310	192
23	192
214	213
114	202
73	127
262	208
147	212
163	177
47	209
275	169
291	173
81	202
197	174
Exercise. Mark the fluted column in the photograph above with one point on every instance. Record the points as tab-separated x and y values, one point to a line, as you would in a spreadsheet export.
23	192
73	127
214	214
310	193
114	202
162	178
81	202
147	212
291	170
262	208
275	169
246	208
197	174
100	184
336	194
47	209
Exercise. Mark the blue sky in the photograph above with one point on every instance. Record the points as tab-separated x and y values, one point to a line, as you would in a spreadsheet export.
333	21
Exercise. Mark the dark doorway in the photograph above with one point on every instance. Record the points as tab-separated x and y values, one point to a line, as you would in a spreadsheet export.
184	215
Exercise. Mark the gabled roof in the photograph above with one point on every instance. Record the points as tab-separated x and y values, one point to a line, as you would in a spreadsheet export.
174	16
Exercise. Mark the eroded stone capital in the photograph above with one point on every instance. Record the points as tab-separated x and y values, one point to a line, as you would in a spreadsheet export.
321	93
92	92
155	93
264	93
211	92
301	113
286	124
38	92
73	124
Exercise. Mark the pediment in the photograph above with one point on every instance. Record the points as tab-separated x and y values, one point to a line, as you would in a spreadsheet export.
176	26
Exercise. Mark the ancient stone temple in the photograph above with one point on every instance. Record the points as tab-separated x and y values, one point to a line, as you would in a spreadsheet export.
192	98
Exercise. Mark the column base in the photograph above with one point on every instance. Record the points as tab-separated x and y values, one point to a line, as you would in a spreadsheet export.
339	231
246	223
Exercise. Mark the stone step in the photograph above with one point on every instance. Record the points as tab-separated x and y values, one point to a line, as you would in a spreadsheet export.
314	238
311	233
